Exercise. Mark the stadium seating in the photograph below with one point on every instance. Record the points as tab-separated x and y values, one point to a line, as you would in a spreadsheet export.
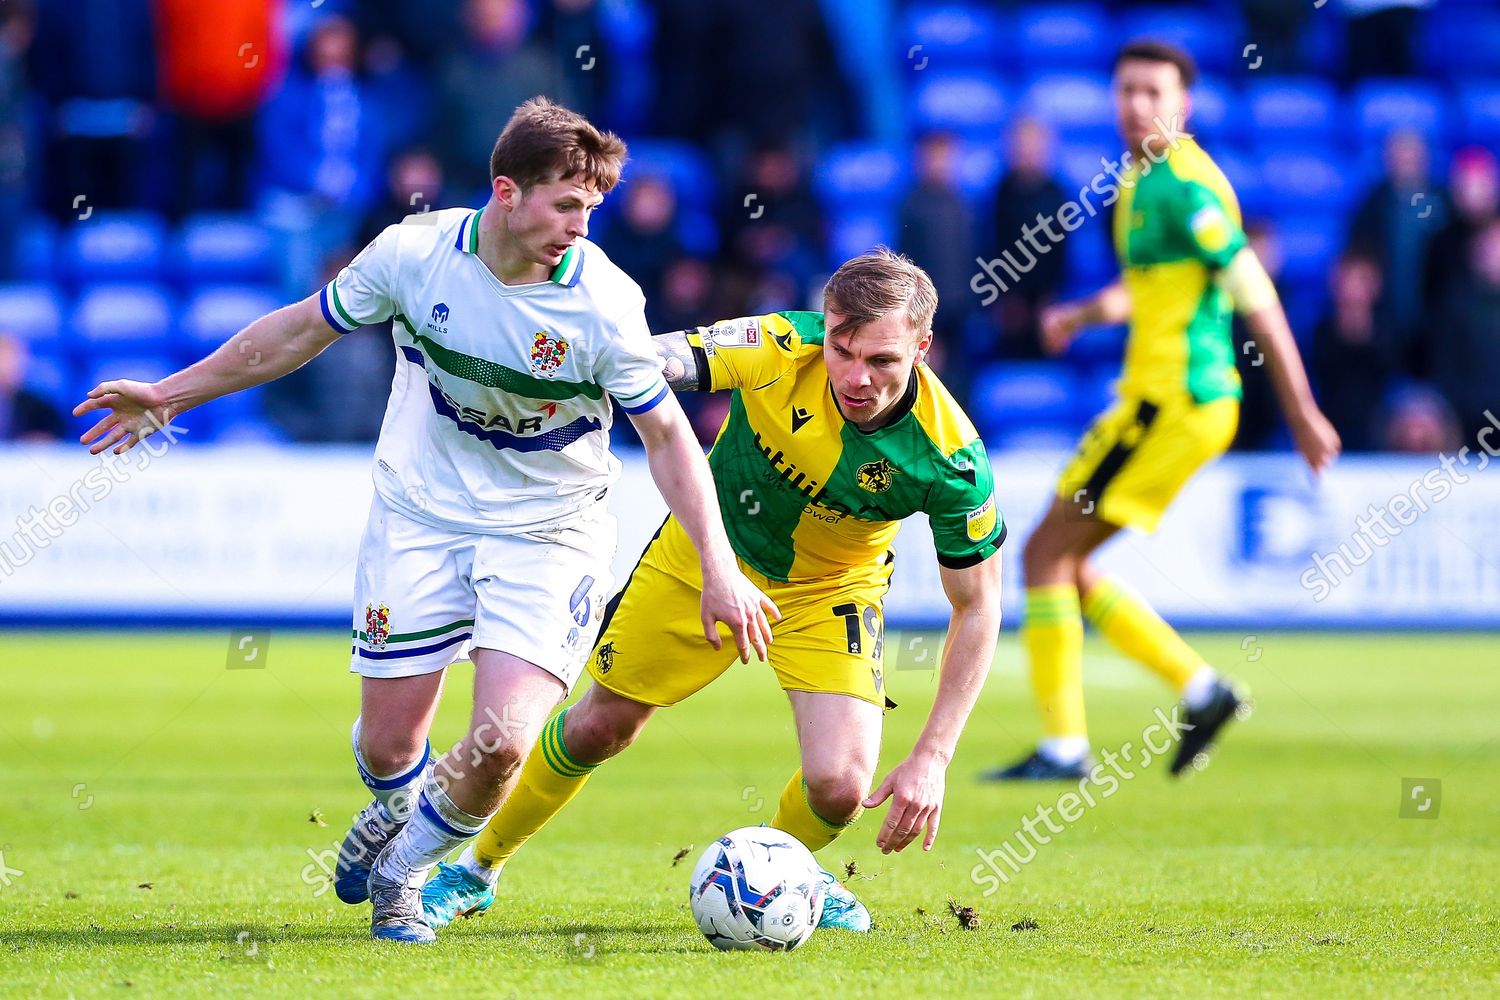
222	248
972	104
951	36
1016	395
216	313
1063	37
34	313
114	246
121	320
1202	33
1381	106
1293	111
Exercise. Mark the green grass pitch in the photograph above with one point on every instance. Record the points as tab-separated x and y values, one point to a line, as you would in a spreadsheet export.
159	809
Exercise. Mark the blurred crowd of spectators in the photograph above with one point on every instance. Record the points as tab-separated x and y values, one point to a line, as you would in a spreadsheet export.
329	121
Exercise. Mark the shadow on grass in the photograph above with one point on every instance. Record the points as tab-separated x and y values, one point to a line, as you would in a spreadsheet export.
244	937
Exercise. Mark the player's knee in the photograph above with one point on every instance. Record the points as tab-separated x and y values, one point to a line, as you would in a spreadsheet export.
836	797
497	759
388	753
1042	559
592	737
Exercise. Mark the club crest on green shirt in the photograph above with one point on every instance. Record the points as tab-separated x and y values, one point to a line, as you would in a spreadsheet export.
875	477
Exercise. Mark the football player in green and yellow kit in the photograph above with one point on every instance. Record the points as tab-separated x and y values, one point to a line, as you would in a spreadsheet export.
836	432
1185	268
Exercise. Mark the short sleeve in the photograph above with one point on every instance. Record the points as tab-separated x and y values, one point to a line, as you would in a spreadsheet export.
747	353
629	369
967	526
1210	228
364	291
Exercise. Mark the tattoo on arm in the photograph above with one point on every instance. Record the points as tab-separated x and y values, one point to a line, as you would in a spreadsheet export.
683	365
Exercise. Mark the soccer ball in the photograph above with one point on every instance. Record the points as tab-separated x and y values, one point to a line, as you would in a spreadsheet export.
757	888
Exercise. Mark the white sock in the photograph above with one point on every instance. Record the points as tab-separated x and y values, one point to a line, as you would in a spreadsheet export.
397	793
436	827
1200	688
490	876
1065	749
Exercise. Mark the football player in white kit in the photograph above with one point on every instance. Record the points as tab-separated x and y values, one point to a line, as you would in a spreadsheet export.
488	537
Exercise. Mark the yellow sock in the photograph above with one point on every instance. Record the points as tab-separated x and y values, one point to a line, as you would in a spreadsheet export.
549	780
1124	618
795	815
1054	639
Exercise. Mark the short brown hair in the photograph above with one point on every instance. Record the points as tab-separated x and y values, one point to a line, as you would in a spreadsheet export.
544	141
1151	50
876	284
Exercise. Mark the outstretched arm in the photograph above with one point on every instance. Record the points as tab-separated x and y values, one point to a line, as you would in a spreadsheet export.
1061	323
916	786
272	346
682	365
1255	298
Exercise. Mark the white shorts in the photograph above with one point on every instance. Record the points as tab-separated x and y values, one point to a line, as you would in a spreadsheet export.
423	596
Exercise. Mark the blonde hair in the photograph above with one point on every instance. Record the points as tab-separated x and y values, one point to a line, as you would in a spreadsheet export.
543	141
876	284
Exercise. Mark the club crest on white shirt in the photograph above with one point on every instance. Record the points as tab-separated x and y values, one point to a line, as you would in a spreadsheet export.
547	354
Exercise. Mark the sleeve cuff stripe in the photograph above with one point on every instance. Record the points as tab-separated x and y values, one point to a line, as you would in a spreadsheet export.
650	390
649	404
337	322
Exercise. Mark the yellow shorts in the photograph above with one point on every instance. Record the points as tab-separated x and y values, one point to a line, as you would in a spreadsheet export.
1138	454
651	647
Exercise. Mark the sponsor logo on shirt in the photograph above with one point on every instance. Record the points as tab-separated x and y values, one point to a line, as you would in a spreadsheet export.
439	320
738	333
547	354
1210	228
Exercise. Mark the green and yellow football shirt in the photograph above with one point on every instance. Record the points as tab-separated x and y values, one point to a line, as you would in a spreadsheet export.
1176	223
807	495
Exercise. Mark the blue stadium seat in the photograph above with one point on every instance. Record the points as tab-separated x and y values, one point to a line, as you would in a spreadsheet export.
690	173
115	246
1070	102
1091	256
1460	43
215	247
1479	111
121	319
851	233
36	249
1298	182
1078	164
950	36
216	313
1212	37
47	375
1309	244
1293	111
684	164
33	312
859	173
1382	106
977	170
1218	114
1026	394
1244	176
1063	36
973	105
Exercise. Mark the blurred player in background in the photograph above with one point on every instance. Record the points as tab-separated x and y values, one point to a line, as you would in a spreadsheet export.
489	527
836	432
1185	267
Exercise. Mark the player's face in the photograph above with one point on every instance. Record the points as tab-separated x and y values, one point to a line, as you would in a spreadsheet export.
545	221
869	368
1148	95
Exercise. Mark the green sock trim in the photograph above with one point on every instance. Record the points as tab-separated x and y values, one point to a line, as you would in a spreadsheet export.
826	822
555	752
1102	600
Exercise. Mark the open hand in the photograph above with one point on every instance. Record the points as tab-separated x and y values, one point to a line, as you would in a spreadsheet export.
136	410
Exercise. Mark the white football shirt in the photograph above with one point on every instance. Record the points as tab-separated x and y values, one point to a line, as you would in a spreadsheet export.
499	413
